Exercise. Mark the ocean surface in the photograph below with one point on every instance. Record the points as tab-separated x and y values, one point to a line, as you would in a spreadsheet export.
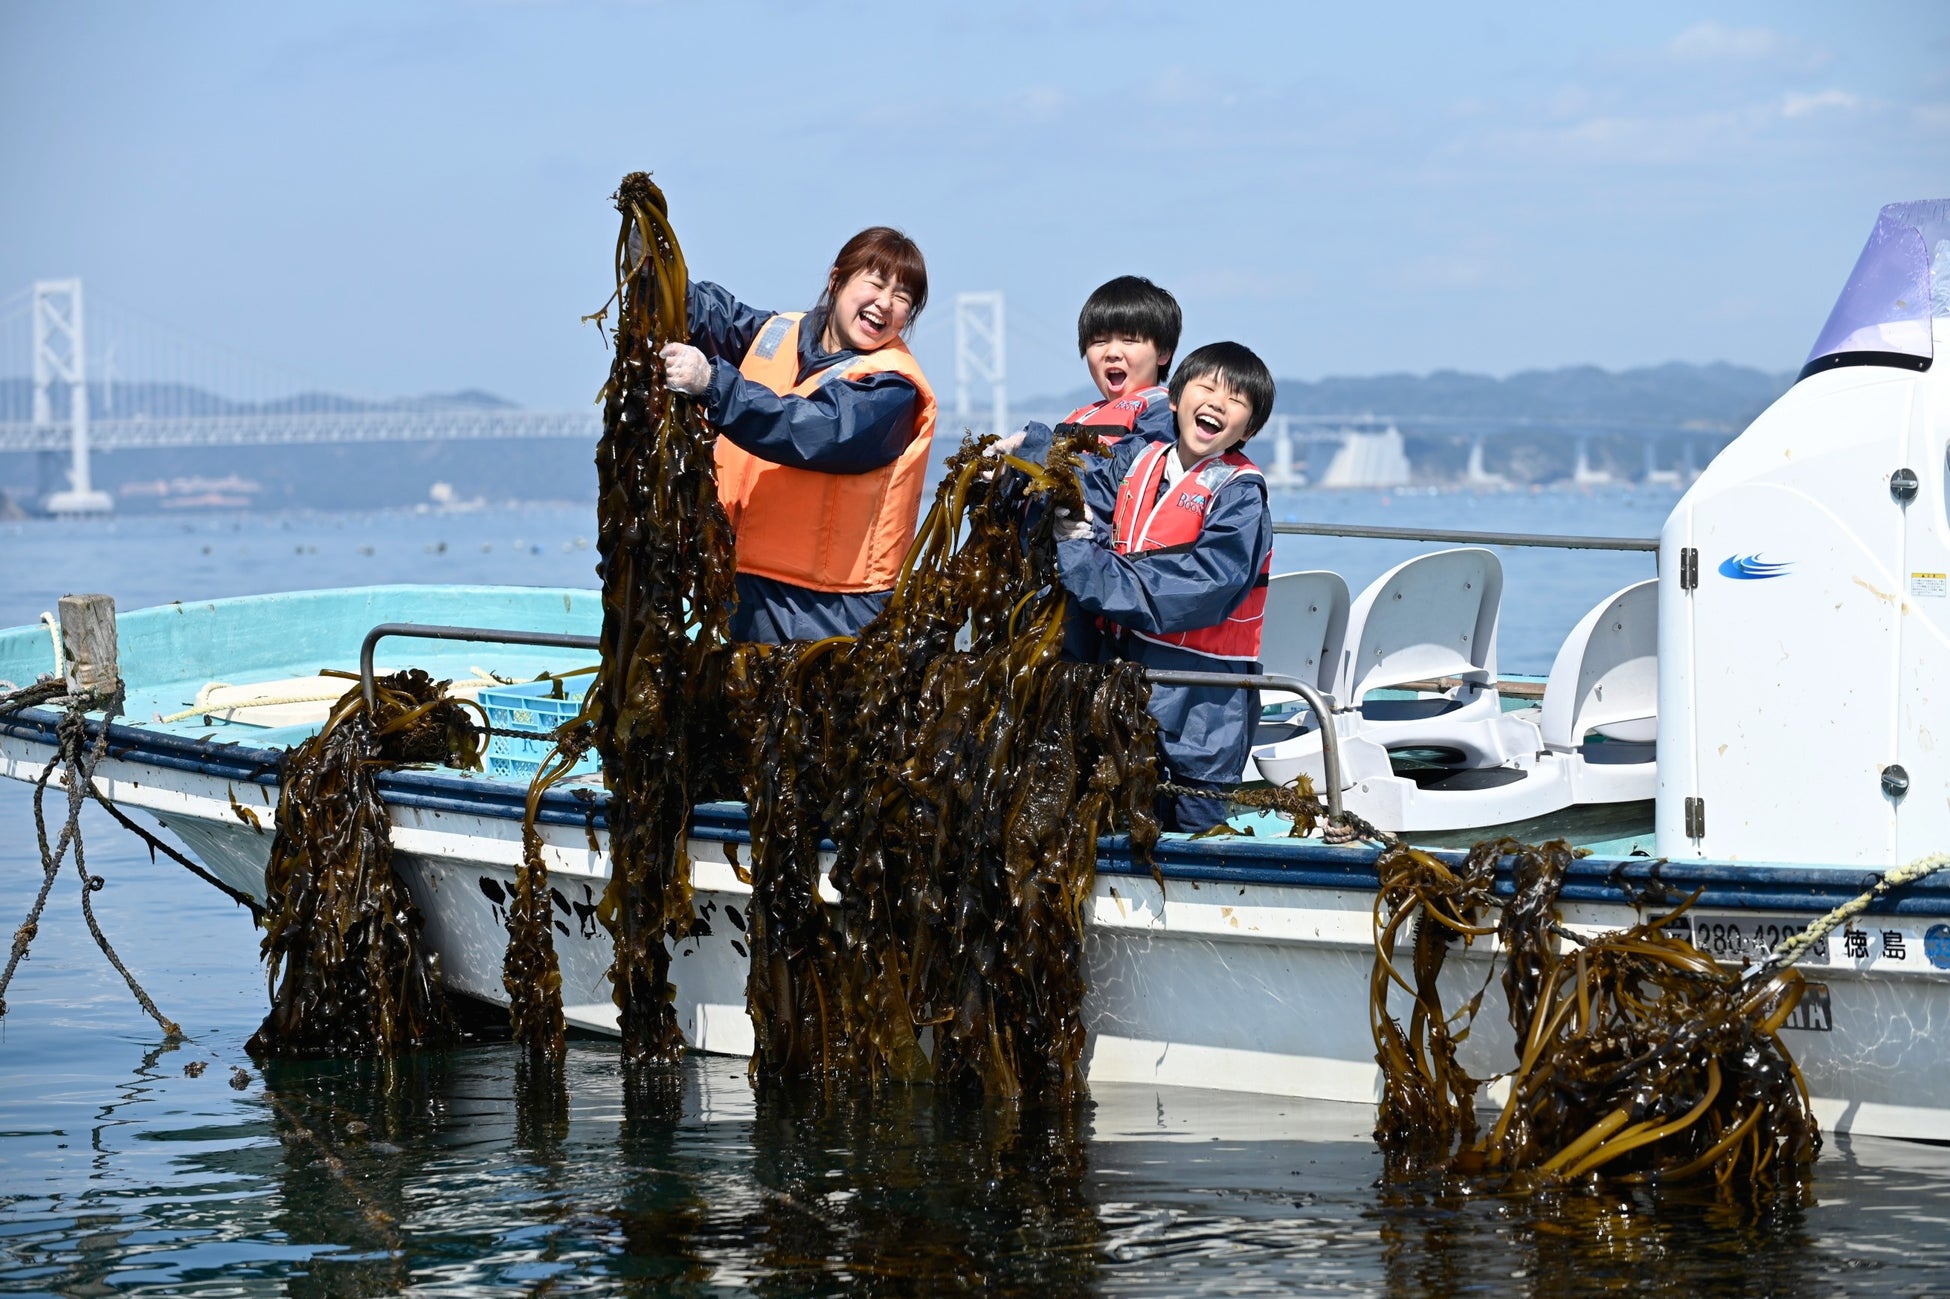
128	1166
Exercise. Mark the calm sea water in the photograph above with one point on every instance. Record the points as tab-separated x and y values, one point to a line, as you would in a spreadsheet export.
131	1167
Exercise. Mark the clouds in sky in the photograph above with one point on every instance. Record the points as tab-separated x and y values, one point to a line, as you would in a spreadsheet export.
408	199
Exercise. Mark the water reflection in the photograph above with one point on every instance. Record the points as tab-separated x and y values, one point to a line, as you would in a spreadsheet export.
906	1190
471	1171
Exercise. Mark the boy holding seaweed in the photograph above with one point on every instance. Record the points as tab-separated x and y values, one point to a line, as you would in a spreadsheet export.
1172	556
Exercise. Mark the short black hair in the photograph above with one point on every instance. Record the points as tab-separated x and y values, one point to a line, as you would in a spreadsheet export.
1237	367
1133	305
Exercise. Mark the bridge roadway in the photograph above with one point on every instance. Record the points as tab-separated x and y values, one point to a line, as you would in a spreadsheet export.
440	425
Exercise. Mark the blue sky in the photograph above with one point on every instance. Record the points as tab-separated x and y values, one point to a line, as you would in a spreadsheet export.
405	198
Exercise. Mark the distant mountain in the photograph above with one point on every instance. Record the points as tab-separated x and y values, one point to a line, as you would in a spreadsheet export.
1677	394
127	400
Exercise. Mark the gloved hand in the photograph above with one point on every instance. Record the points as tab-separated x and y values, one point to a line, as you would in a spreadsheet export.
995	450
1071	528
685	369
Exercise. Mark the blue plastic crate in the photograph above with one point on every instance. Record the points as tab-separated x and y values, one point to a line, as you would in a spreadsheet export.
523	718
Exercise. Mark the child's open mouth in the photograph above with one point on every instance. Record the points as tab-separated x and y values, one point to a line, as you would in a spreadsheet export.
1114	376
872	320
1209	424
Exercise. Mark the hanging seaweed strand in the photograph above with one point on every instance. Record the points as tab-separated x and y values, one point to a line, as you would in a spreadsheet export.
666	567
349	971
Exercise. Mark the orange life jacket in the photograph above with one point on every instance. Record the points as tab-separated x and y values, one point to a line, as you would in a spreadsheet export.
1122	414
1145	521
829	532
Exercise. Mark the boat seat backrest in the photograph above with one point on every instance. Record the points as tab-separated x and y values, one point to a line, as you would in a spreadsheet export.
1306	625
1607	672
1433	616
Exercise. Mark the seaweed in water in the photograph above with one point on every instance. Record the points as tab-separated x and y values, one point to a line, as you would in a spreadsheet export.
349	972
964	790
1639	1058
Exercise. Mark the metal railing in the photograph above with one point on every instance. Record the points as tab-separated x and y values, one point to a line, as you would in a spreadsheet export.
485	635
1330	740
1559	542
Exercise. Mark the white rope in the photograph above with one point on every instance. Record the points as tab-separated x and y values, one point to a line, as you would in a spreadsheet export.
53	626
328	689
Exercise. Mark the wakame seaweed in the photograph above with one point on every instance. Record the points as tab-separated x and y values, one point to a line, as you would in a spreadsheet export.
1639	1058
964	790
654	712
349	972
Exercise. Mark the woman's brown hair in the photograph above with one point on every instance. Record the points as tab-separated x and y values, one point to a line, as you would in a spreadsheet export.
890	253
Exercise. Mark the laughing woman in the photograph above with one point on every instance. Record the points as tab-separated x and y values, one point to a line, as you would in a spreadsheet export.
824	421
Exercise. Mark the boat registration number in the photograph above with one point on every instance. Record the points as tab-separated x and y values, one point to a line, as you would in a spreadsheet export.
1813	1012
1732	937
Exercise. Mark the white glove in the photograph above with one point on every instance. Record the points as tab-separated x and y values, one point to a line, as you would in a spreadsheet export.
997	449
1007	446
1070	528
685	369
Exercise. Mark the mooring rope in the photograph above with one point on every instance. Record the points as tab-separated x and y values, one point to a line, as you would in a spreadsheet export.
77	759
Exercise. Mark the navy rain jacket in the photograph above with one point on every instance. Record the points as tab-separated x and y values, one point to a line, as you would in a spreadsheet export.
847	427
1204	732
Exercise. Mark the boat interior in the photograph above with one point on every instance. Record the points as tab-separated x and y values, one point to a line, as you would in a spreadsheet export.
261	672
1431	737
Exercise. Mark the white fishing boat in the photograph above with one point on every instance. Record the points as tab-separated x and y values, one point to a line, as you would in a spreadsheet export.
1763	724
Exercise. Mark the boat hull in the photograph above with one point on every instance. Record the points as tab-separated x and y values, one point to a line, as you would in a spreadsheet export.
1249	971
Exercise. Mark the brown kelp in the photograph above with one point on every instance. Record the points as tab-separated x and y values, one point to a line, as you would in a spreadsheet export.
348	971
666	567
1638	1057
963	790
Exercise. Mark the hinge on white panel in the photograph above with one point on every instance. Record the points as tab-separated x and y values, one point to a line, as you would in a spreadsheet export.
1695	818
1688	568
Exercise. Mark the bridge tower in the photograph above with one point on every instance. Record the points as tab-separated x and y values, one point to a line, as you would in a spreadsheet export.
981	352
61	355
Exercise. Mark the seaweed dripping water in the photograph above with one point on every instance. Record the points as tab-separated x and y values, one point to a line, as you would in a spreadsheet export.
655	711
964	790
1639	1059
350	973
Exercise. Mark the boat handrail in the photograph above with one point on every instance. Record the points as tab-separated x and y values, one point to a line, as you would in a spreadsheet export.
1329	748
1559	542
1330	740
435	631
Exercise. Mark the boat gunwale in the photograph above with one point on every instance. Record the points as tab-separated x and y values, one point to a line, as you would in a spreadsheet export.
1647	883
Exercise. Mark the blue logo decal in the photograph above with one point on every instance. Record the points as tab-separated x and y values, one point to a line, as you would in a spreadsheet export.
1936	946
1752	568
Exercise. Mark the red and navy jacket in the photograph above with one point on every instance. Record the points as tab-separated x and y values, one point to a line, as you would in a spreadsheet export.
1200	565
1150	517
1146	412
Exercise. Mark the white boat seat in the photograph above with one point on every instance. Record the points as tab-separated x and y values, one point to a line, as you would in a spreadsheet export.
1409	710
1605	682
1305	629
1434	616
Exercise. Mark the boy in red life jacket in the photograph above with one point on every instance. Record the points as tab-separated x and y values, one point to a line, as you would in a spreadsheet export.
1173	555
1126	335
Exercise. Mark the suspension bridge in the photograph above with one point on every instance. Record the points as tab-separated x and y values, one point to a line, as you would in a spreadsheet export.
78	379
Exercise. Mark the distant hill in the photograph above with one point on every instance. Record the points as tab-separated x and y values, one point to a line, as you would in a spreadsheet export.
126	400
1677	394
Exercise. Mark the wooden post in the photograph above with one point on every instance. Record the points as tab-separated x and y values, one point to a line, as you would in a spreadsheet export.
88	643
